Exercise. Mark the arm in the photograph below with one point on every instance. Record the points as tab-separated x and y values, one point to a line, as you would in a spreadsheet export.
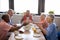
16	28
13	29
31	17
42	29
49	30
23	19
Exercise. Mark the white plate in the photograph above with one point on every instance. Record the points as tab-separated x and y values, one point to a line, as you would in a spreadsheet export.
18	37
18	25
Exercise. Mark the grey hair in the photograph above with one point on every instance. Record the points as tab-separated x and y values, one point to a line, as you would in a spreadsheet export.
52	17
43	15
10	10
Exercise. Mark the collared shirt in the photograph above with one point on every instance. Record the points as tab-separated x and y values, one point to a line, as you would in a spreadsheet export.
51	32
10	22
4	28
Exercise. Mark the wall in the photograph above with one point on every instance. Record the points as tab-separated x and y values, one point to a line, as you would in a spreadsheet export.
17	18
57	20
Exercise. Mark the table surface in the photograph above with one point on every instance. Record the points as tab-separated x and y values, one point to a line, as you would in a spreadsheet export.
28	35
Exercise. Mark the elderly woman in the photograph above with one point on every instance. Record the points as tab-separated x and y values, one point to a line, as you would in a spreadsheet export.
27	17
50	31
43	21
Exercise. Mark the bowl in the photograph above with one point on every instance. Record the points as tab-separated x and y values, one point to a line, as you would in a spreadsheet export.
27	27
18	38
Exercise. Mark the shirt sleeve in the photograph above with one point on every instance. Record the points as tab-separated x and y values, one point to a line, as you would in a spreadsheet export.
50	29
8	26
31	17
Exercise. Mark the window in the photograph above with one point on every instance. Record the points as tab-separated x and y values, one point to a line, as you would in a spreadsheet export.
23	5
52	5
4	5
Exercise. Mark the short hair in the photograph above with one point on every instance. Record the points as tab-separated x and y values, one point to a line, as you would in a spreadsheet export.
10	10
43	15
4	17
51	16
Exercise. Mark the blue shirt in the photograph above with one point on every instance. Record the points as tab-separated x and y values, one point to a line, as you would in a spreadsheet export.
51	32
10	22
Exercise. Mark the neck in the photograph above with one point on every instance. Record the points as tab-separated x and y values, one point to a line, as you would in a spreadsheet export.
9	15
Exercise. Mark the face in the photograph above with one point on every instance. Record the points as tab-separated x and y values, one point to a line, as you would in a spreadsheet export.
27	12
48	18
7	19
11	12
42	17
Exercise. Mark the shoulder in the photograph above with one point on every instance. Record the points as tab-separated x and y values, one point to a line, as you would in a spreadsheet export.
8	25
52	26
5	24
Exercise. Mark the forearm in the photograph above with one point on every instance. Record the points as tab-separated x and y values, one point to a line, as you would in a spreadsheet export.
43	30
14	28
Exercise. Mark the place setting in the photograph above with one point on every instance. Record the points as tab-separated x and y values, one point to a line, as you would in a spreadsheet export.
36	32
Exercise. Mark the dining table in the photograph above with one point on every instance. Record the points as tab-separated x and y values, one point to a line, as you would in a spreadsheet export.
28	34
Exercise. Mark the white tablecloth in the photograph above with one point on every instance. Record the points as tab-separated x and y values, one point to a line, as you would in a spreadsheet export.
28	35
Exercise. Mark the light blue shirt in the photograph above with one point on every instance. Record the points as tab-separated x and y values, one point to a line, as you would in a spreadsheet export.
10	22
51	32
